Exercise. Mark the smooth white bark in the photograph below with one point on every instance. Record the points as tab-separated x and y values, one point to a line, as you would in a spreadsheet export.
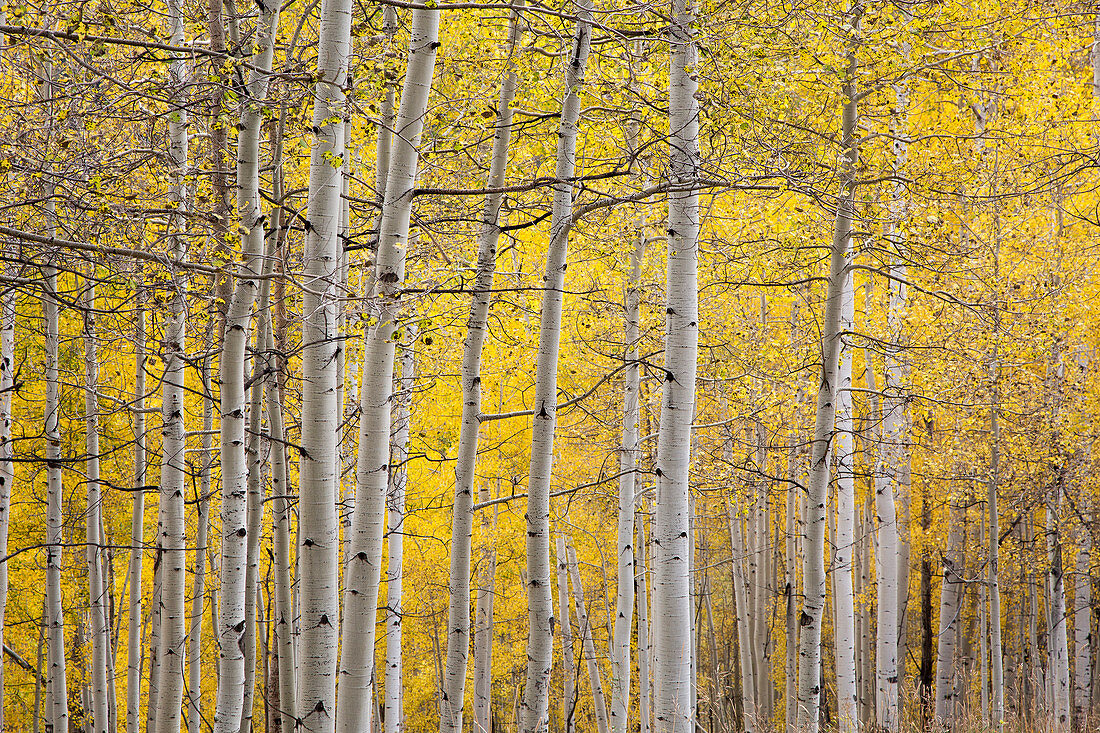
137	521
844	601
584	625
744	640
813	608
1082	628
458	611
950	616
629	453
534	717
318	530
202	540
672	588
642	606
372	470
394	717
97	612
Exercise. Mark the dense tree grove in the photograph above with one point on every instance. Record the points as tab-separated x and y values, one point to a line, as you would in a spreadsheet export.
395	366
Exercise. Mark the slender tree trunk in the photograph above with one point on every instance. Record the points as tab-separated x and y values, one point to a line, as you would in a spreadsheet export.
281	560
813	610
791	589
628	467
173	472
1059	643
237	632
7	466
844	593
588	646
569	671
395	528
96	611
642	605
372	470
540	605
1082	626
137	522
950	612
202	541
458	611
750	708
318	530
672	531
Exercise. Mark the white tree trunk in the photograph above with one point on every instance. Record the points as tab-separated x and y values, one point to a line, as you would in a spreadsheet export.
372	469
97	611
642	606
628	466
137	522
173	467
1059	642
569	670
395	528
673	661
744	636
458	611
202	541
587	644
318	530
282	563
233	635
950	615
844	592
672	664
483	634
534	717
1082	626
813	610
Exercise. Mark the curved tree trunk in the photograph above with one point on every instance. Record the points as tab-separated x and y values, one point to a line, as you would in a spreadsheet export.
372	470
534	716
458	611
588	646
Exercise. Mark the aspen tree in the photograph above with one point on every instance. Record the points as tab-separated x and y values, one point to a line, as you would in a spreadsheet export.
234	633
458	610
372	466
202	541
950	613
173	467
628	469
844	596
813	609
569	672
642	605
672	531
395	528
318	531
540	606
750	706
588	647
93	519
137	521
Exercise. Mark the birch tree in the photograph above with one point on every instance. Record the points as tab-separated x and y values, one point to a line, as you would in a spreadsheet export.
540	606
